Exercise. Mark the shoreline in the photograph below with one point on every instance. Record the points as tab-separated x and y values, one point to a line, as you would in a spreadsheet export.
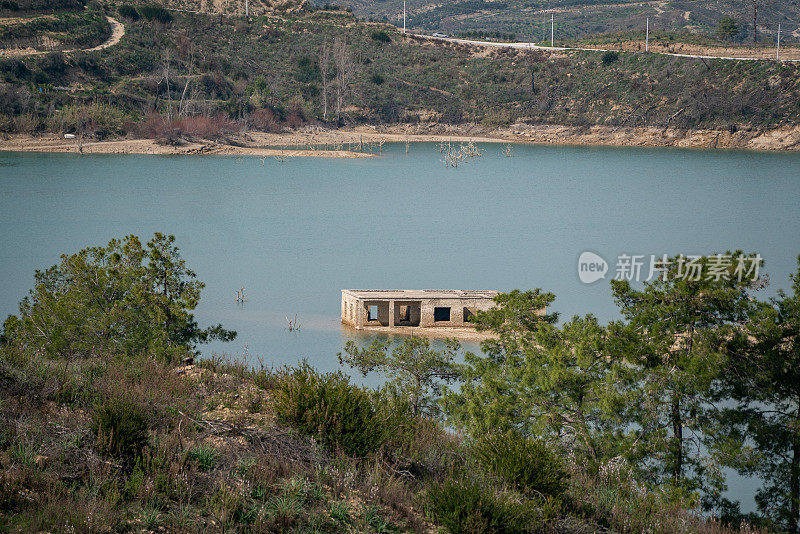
786	138
436	332
53	144
367	140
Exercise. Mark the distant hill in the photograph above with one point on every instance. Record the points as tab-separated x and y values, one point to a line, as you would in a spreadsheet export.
576	19
229	7
277	72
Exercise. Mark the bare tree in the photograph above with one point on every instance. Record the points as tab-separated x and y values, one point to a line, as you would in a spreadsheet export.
165	65
186	52
345	72
324	71
756	4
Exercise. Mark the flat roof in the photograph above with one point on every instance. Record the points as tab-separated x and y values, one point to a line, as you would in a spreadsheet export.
420	294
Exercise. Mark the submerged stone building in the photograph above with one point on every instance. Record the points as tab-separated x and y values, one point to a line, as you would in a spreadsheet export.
365	308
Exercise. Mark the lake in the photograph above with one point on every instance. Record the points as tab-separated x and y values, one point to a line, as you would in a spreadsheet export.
295	233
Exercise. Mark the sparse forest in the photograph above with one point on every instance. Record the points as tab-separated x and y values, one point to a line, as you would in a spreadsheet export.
187	75
579	19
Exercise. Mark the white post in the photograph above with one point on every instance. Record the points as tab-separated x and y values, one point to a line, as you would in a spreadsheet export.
552	30
647	36
404	16
778	49
246	8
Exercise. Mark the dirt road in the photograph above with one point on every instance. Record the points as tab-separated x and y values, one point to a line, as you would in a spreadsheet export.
117	31
534	46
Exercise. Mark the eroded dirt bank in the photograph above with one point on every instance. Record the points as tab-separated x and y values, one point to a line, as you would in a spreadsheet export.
784	138
149	146
366	141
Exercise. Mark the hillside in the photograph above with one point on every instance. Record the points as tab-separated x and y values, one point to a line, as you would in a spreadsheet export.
179	74
215	458
106	425
232	8
574	19
204	451
54	32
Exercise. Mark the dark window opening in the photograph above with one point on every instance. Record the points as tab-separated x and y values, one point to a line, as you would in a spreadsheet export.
373	313
441	314
468	313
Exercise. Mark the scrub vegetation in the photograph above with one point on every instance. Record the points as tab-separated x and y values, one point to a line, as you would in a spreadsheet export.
178	75
56	31
564	428
577	19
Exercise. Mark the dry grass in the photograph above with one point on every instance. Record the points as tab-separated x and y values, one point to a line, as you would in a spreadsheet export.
216	460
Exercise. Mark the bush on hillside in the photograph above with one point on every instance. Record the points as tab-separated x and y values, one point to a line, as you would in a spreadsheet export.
463	506
381	36
307	70
155	13
263	119
206	457
206	126
727	29
96	119
120	426
155	126
295	117
129	12
329	406
526	463
609	57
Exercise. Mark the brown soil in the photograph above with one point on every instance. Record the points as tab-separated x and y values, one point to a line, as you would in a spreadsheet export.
784	138
364	141
149	146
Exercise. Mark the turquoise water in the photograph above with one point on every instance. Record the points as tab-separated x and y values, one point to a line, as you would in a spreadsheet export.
294	234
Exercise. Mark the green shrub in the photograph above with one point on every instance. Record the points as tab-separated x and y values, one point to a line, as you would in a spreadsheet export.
155	13
727	29
381	36
328	405
96	119
206	457
129	12
283	511
609	57
526	463
462	506
121	427
308	70
340	511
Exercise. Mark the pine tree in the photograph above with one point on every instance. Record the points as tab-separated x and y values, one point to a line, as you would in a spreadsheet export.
762	375
670	338
415	371
123	299
541	380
